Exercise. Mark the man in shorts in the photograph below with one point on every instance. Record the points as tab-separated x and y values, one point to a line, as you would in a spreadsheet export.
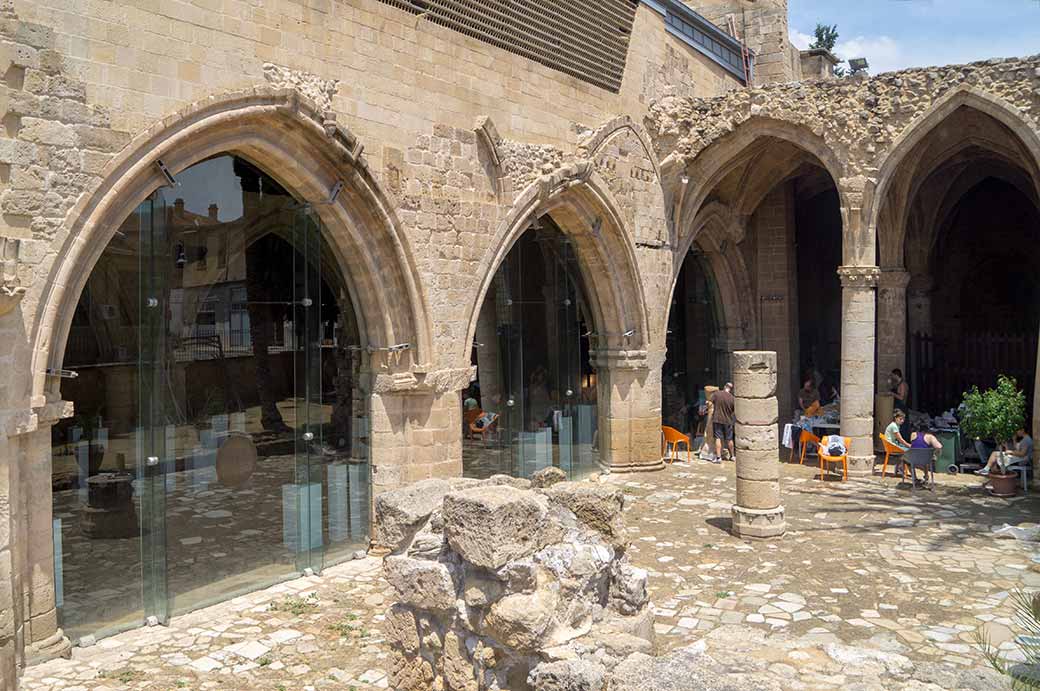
723	419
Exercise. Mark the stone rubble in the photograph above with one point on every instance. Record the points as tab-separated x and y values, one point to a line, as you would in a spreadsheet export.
529	588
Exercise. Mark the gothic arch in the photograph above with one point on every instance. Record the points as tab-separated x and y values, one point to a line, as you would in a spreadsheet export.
603	133
580	203
716	231
893	160
286	136
745	142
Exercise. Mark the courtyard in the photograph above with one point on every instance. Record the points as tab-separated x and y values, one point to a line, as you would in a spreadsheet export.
872	587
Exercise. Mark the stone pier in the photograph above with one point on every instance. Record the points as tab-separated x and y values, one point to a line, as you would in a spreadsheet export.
758	512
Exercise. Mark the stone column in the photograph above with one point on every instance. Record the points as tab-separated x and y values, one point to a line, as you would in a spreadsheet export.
629	410
415	428
857	364
758	512
891	321
919	305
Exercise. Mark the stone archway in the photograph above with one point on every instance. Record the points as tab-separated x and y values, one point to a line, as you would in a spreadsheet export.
931	181
581	205
281	132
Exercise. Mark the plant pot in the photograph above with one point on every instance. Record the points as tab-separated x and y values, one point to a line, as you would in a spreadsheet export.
1004	484
95	457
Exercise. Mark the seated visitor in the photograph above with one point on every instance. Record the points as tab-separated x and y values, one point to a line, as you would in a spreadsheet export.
892	433
1022	452
923	439
808	394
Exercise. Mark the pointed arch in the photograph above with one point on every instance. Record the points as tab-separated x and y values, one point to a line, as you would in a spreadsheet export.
965	96
743	143
716	232
287	136
581	204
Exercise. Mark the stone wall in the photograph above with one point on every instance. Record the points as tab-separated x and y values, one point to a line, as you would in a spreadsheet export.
502	584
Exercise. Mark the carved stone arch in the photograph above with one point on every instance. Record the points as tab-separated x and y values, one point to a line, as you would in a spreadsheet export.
591	146
581	204
290	139
965	96
711	164
716	232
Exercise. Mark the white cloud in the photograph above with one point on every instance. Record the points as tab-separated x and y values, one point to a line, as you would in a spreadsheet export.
882	52
801	41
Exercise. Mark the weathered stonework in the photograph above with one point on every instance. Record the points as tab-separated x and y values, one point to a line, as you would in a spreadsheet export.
448	148
758	512
505	587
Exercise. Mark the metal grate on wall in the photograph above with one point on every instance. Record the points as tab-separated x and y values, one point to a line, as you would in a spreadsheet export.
587	39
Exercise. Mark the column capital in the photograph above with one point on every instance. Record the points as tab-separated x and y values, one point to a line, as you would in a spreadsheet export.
863	277
894	279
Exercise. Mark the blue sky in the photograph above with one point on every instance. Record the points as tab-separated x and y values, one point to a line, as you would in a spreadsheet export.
894	34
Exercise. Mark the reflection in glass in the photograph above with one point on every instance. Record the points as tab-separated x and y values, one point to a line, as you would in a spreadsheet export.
533	404
218	443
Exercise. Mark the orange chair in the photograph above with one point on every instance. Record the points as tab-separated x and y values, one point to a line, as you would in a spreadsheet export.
804	439
843	459
890	450
670	435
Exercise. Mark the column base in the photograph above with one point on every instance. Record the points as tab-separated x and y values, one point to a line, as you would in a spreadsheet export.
861	467
759	523
634	467
54	646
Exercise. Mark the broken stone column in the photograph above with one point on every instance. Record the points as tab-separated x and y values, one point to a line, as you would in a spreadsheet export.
499	586
758	512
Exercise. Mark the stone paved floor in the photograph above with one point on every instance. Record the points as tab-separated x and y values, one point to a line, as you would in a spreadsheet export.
868	582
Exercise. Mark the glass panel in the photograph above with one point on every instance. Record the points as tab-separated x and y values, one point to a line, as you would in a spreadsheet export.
228	383
533	374
221	443
98	486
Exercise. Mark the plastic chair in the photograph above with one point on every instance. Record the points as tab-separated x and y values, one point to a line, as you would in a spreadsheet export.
804	439
920	458
890	450
672	436
843	459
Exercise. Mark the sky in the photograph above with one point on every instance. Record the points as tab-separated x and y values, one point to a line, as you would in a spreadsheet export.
896	34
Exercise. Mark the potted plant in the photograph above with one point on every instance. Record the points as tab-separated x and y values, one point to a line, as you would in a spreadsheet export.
996	414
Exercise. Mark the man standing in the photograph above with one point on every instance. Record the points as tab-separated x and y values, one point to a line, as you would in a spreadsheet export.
723	420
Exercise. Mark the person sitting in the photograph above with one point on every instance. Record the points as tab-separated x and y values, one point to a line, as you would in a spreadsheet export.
923	439
892	433
1023	451
808	394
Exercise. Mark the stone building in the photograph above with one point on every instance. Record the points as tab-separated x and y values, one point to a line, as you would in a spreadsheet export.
262	261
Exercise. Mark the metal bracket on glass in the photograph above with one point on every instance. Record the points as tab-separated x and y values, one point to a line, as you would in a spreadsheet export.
63	373
152	461
153	302
308	436
381	349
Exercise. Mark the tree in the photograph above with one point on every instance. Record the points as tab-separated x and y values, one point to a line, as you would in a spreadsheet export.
825	37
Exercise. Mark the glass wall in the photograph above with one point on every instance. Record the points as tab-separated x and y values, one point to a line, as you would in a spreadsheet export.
533	403
693	359
219	443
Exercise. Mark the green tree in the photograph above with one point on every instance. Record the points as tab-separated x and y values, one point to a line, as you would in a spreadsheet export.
825	37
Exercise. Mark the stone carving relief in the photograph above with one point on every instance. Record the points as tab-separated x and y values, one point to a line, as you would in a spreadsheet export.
11	288
309	85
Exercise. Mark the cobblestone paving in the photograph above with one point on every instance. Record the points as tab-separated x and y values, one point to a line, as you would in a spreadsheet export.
869	582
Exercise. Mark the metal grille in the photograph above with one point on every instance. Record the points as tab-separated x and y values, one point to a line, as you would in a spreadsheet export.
587	39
